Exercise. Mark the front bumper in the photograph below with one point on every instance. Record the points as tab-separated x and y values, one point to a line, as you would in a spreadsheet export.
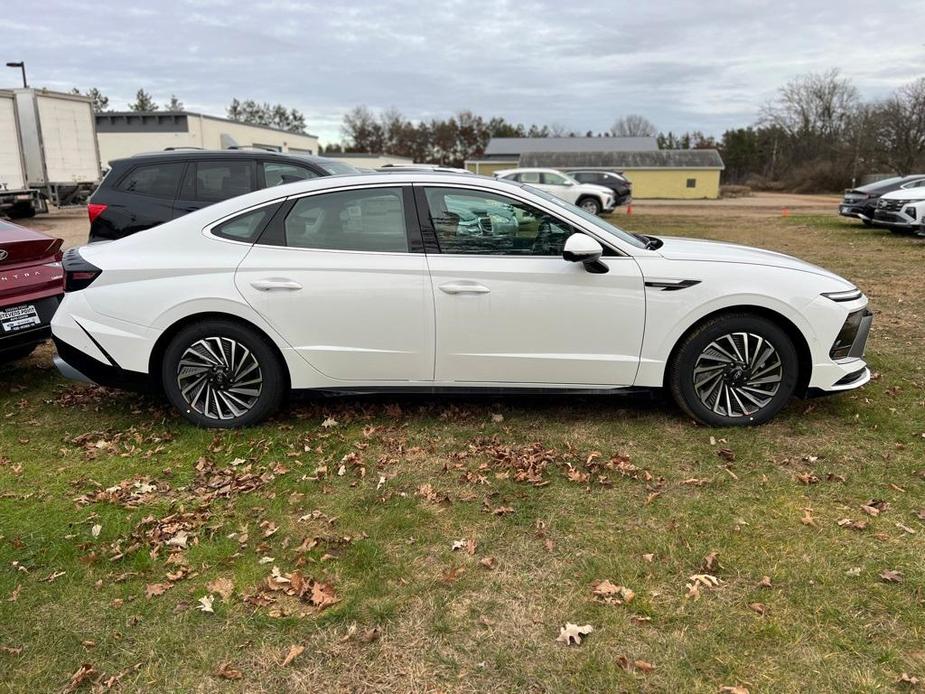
898	220
846	368
858	210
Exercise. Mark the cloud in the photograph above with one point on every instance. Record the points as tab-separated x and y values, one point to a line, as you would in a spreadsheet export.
706	65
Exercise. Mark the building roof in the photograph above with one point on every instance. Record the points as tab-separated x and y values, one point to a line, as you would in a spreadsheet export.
658	159
151	119
515	146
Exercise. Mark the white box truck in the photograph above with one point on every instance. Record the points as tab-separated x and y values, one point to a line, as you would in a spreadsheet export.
48	150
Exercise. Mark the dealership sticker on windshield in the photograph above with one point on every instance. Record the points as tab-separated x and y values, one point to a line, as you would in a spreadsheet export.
19	318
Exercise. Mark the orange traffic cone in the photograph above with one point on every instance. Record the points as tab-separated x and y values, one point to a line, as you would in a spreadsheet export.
629	210
785	212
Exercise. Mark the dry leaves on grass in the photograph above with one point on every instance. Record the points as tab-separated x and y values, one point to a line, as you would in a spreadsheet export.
205	604
734	689
318	594
227	671
891	576
294	652
84	674
572	633
698	581
223	586
611	594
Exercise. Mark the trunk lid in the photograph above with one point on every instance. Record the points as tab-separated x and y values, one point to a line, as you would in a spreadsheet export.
19	245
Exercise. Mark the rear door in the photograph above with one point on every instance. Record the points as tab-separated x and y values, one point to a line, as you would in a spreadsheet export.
342	276
208	181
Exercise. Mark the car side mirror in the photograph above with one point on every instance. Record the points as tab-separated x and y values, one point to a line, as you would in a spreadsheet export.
581	248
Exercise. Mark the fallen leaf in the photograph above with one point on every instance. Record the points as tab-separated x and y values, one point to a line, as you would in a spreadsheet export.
906	678
572	633
205	603
11	650
155	589
329	422
759	608
487	562
223	586
765	582
497	418
612	594
807	518
84	673
295	651
891	576
643	666
726	454
228	672
710	562
734	689
96	529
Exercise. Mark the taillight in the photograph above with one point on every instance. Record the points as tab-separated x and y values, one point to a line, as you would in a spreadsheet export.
95	209
78	273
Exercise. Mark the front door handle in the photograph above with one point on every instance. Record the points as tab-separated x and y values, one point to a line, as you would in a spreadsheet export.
274	283
464	288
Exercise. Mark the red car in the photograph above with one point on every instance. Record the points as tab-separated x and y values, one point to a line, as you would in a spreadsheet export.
31	287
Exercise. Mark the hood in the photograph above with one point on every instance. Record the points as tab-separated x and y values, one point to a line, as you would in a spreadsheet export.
676	248
905	194
594	188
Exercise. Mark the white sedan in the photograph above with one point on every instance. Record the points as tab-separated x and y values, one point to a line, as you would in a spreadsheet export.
384	282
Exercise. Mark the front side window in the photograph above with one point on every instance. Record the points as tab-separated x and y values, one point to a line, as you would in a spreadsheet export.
157	180
554	179
481	223
370	219
220	180
278	173
531	177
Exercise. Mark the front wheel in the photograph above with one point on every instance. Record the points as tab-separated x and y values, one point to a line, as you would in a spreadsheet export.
590	205
734	370
220	374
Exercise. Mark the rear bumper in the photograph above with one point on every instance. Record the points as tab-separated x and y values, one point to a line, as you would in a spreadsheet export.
45	308
79	366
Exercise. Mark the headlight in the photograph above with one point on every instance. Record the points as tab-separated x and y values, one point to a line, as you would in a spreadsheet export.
846	295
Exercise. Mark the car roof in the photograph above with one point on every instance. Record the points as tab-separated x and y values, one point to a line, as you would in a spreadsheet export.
185	153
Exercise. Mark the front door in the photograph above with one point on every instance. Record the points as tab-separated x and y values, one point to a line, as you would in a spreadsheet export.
335	275
510	310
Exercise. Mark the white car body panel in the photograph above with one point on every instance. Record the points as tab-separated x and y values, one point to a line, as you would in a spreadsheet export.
570	193
382	320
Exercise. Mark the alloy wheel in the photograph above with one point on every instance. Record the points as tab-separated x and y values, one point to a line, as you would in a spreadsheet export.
738	374
589	206
219	378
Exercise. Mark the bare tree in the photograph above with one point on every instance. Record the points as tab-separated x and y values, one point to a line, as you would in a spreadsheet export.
817	105
633	125
901	128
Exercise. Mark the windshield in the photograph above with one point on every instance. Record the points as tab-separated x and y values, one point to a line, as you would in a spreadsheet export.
599	223
334	167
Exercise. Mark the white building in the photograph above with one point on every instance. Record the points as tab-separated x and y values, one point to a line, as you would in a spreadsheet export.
126	133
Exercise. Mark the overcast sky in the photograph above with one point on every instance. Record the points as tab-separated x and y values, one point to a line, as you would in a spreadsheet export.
685	65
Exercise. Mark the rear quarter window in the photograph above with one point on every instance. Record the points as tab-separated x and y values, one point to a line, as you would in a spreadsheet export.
156	180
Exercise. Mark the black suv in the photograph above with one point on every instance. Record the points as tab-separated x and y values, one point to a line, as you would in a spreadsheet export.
618	183
149	189
861	202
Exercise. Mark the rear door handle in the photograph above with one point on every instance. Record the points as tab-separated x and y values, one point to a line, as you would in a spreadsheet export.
275	283
464	288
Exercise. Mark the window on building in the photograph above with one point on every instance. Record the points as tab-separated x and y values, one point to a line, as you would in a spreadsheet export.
157	180
370	219
692	183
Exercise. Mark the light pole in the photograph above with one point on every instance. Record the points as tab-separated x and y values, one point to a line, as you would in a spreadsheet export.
22	66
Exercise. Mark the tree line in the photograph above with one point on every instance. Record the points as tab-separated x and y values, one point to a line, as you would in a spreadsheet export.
817	134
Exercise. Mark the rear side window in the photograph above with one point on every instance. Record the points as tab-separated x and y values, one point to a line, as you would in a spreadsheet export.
278	173
372	220
245	227
212	181
156	180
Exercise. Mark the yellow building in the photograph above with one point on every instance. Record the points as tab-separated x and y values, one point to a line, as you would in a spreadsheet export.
655	173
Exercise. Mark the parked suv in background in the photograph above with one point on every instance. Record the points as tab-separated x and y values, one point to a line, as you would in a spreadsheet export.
589	197
149	189
862	202
618	183
902	211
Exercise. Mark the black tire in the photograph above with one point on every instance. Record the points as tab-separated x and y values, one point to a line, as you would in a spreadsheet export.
590	205
867	222
738	383
225	400
16	353
21	210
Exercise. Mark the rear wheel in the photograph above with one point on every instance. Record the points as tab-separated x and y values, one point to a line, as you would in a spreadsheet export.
734	370
590	205
220	374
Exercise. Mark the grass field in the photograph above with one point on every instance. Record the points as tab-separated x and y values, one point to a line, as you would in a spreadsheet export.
332	528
